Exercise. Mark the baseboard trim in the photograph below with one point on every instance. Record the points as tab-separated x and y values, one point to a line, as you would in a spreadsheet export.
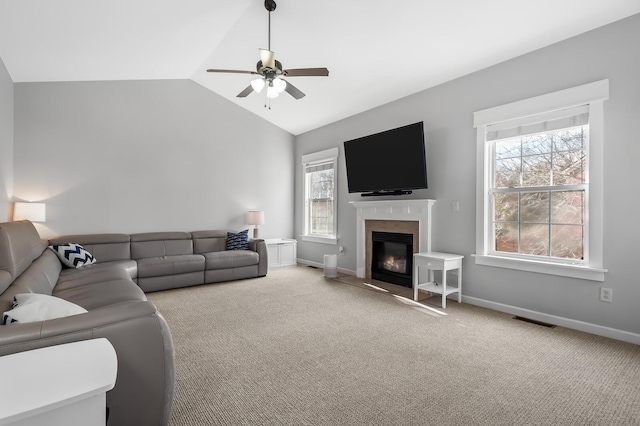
599	330
321	266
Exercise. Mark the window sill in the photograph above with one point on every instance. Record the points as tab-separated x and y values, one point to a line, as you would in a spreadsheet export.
322	240
563	270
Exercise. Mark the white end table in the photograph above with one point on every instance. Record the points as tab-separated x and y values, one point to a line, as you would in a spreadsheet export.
436	261
281	251
58	385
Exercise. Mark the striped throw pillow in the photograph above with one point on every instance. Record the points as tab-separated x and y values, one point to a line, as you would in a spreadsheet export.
73	255
238	241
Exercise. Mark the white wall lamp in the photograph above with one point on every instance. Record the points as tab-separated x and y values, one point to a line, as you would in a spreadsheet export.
256	217
35	212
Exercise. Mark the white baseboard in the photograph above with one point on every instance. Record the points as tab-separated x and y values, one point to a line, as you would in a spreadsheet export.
599	330
321	266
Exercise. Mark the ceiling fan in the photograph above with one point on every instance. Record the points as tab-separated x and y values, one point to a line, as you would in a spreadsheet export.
271	71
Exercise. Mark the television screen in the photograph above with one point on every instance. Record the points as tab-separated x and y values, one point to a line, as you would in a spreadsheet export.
389	161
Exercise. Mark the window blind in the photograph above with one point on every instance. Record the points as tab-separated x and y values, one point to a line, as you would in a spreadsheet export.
556	120
318	167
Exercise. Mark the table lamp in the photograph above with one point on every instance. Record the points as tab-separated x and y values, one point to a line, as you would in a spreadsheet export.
256	217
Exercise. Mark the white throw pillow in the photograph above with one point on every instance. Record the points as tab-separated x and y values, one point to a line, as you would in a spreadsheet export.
32	307
73	255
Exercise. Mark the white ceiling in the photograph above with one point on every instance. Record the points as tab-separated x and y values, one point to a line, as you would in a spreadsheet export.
376	51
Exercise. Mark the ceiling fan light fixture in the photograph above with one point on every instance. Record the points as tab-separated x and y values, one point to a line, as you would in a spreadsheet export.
271	70
272	92
279	84
257	84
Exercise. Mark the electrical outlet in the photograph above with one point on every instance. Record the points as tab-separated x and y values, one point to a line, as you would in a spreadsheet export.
455	206
606	294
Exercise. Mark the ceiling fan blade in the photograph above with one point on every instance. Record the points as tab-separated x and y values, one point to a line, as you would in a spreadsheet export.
233	71
293	90
245	92
268	58
306	72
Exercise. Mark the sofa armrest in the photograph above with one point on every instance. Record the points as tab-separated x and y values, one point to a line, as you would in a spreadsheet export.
144	389
259	246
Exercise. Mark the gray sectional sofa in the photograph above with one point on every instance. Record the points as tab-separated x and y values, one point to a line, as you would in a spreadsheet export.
112	291
165	260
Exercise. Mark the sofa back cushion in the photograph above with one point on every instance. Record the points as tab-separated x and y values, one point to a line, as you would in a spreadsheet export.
209	241
20	245
158	244
104	247
41	277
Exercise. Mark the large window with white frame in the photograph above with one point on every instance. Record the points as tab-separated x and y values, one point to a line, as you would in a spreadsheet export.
320	207
540	183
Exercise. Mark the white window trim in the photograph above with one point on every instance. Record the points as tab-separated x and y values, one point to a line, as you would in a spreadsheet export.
309	159
592	94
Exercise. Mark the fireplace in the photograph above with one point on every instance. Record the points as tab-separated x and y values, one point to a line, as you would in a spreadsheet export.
394	216
392	257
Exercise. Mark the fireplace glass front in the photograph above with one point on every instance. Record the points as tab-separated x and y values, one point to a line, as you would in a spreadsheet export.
392	257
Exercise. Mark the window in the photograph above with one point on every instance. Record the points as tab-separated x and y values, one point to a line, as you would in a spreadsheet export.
319	196
540	182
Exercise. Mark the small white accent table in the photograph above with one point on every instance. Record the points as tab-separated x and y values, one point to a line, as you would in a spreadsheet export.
436	261
58	385
281	252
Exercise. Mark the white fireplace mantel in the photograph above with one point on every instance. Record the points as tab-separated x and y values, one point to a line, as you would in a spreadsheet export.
409	210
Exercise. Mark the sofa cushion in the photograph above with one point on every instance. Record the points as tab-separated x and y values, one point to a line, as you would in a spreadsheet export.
32	307
208	241
92	274
101	294
41	278
129	266
238	240
73	255
104	247
170	265
5	280
20	245
231	259
158	244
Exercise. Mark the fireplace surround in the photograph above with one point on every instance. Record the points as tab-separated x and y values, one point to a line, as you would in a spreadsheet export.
401	216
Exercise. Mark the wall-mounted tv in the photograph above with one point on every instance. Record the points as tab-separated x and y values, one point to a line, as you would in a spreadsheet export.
392	162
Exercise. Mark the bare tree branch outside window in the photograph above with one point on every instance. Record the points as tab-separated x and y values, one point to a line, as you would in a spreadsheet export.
539	193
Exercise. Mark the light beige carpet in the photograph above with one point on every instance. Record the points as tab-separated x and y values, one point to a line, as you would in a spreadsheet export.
294	348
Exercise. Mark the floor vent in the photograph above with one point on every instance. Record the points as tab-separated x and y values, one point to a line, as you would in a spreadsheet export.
544	324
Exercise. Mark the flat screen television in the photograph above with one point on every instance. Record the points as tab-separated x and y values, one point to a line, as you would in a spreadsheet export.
392	162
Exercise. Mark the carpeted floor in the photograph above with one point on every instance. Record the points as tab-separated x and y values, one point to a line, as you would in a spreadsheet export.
294	348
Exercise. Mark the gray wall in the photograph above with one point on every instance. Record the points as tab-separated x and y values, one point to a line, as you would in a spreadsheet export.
138	156
6	141
447	111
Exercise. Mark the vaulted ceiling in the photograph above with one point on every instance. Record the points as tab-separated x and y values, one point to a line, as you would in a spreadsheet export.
376	51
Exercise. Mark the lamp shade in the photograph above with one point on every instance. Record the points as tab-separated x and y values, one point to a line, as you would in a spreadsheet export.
279	84
256	217
257	84
272	92
35	212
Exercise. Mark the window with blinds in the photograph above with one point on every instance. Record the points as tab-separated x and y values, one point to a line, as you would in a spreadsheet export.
319	195
538	186
539	183
320	183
